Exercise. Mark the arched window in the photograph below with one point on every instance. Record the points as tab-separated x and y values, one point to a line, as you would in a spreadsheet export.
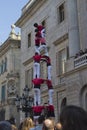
63	103
83	97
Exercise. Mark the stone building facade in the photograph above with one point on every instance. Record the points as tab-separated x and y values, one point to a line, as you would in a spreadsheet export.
66	33
10	61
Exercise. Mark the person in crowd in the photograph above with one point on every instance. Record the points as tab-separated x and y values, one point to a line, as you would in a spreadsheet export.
49	67
48	124
5	125
46	58
73	118
37	94
85	50
20	126
50	91
40	28
43	45
12	120
27	124
14	127
81	53
40	123
37	40
37	58
58	126
77	55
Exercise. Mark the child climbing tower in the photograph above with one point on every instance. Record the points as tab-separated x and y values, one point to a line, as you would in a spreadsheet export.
40	44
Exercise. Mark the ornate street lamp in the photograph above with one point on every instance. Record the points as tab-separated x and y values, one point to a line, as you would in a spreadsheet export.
25	102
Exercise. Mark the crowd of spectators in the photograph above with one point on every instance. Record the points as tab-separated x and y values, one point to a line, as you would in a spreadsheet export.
71	118
81	52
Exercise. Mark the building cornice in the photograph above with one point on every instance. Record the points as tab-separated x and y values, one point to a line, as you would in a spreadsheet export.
74	70
61	39
7	45
28	61
37	4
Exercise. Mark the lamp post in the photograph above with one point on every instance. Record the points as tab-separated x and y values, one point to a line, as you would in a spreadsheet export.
25	102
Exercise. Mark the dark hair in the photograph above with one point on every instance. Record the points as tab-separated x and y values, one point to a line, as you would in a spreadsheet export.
35	24
20	126
36	30
36	53
73	118
41	119
12	120
5	125
44	127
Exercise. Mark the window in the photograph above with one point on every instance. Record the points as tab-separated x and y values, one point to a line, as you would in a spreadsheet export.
61	13
29	77
3	93
29	40
61	59
5	64
83	97
2	67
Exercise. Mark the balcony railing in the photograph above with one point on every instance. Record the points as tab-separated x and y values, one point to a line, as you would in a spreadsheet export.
80	61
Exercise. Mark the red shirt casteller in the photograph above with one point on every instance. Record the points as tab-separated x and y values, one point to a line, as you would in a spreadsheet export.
40	28
49	84
38	34
37	41
48	60
37	58
37	81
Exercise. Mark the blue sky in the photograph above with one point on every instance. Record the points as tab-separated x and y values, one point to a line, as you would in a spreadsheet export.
10	11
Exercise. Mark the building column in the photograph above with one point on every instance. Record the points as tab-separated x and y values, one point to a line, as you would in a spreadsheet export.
74	40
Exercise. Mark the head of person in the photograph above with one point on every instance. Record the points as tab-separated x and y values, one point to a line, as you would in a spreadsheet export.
36	53
35	24
36	30
5	125
58	126
73	118
41	119
48	124
12	120
20	126
27	124
14	127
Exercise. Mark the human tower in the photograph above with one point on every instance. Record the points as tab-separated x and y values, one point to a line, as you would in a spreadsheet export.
40	44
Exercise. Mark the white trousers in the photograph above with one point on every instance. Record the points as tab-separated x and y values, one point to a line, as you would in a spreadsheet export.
43	47
37	50
37	96
49	69
51	92
43	33
36	70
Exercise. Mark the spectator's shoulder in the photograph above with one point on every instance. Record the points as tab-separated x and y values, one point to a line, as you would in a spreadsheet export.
32	128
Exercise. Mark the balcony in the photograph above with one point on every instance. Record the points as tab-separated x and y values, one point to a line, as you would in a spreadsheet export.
80	61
